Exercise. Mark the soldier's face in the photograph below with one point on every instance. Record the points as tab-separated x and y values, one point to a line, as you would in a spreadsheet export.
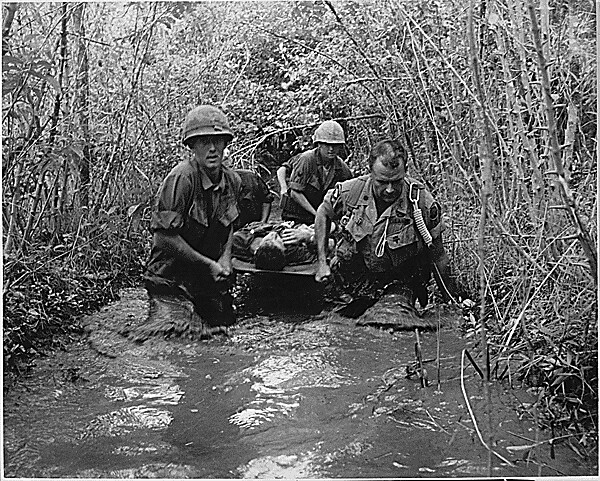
208	151
328	151
387	182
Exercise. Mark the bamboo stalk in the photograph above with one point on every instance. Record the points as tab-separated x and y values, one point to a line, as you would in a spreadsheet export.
472	414
587	244
439	370
519	319
419	356
12	220
485	154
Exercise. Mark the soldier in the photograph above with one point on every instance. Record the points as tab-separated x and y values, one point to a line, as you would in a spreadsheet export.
315	172
391	228
192	223
283	174
255	199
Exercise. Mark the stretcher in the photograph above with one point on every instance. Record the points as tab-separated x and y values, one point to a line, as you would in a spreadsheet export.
299	270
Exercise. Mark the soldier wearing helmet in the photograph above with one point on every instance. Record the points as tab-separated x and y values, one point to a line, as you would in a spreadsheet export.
192	221
391	230
315	172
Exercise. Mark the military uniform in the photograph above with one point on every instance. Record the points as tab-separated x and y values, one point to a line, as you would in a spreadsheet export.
291	163
189	204
310	178
388	247
254	194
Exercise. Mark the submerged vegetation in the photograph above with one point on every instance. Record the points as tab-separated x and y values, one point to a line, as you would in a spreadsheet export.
495	101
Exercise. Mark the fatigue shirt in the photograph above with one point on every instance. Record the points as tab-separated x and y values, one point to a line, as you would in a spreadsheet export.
254	194
291	163
363	231
189	204
309	178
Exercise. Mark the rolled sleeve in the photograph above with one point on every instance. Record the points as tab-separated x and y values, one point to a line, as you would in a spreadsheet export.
301	175
173	202
166	220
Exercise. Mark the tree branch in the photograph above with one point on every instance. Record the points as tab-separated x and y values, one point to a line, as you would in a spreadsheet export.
585	240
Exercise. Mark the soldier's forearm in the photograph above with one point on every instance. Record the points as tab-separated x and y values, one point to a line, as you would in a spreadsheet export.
322	226
176	246
303	201
227	249
281	178
266	212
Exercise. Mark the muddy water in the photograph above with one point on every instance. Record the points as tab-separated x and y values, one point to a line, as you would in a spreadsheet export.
291	393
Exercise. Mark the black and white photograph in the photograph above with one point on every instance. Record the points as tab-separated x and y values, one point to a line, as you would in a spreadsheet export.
300	239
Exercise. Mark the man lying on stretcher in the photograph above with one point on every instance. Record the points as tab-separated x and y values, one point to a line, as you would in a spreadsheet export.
274	246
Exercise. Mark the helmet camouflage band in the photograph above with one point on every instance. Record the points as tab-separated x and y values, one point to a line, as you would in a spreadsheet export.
329	132
205	120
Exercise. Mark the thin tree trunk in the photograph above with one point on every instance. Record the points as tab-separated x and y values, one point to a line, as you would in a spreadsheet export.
15	201
9	16
57	113
34	207
82	104
485	155
585	240
111	166
517	14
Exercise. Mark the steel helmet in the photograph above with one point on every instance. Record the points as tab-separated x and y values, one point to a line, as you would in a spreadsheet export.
329	132
205	120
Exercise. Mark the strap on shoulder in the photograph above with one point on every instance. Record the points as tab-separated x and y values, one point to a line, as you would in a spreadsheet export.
356	191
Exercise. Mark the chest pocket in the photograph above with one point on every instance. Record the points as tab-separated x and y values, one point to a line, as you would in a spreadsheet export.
227	212
314	182
359	225
401	232
198	213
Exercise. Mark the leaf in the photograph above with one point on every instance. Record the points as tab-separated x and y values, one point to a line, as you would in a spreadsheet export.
42	64
8	60
134	210
53	82
73	149
9	85
494	19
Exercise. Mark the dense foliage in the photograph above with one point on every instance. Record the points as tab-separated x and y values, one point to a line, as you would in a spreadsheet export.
94	95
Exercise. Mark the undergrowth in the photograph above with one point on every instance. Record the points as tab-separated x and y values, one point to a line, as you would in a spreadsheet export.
49	289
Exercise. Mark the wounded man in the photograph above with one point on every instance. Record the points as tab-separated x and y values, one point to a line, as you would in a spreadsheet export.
273	246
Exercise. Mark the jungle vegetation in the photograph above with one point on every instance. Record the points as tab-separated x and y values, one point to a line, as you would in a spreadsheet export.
495	101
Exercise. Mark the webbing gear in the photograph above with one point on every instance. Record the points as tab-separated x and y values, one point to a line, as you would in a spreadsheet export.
353	197
418	214
380	249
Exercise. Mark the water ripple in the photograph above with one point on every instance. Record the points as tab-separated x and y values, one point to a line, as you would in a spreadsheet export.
125	420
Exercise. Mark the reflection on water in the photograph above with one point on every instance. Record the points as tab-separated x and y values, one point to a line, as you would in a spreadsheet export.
284	396
125	420
153	470
277	379
298	370
281	467
155	394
